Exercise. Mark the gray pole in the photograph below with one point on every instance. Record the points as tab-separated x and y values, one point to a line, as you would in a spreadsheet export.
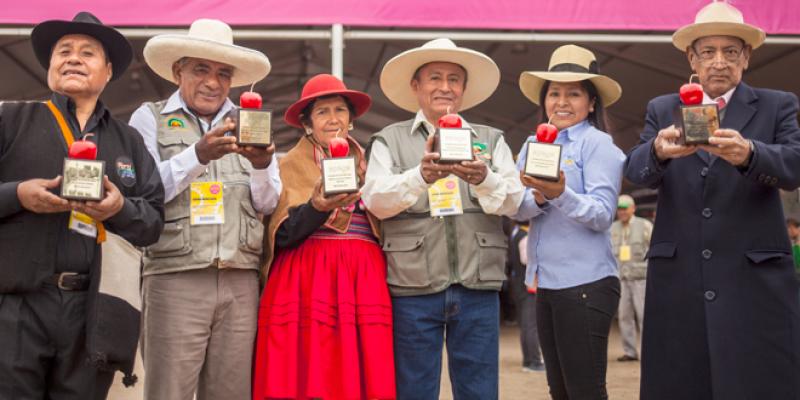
337	51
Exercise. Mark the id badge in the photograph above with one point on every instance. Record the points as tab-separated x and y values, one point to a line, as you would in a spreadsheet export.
624	252
206	206
82	224
444	196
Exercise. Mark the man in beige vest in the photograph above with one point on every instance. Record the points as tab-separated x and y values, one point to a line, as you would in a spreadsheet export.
630	239
445	257
200	285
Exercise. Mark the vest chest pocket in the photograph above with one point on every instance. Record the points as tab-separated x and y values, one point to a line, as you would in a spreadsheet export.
175	240
492	249
251	230
170	145
407	264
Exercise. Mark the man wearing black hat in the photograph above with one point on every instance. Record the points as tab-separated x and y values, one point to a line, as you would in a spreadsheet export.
50	263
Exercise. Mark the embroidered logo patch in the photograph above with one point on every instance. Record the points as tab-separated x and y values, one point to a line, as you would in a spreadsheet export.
175	123
479	149
126	171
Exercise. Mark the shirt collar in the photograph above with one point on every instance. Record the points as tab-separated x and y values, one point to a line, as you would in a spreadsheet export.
175	103
66	104
574	132
727	96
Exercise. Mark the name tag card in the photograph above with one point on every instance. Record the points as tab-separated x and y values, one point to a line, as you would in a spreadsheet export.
83	179
543	160
206	206
83	224
339	175
444	197
254	127
454	144
698	123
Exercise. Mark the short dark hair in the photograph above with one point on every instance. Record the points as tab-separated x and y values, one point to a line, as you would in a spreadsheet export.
793	222
305	113
596	118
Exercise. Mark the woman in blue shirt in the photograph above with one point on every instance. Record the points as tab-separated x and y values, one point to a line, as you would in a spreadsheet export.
569	248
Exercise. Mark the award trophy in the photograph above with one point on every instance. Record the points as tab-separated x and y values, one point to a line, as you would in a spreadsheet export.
453	143
83	174
339	173
696	121
543	159
253	125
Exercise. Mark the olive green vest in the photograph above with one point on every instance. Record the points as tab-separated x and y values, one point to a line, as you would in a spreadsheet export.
235	244
426	255
638	238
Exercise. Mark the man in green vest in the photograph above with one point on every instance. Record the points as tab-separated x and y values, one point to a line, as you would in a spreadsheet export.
441	222
200	286
630	239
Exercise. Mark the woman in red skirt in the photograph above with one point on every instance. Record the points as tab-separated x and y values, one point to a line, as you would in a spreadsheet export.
325	321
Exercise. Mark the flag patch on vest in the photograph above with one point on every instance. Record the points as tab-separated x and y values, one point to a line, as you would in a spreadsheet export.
176	123
125	171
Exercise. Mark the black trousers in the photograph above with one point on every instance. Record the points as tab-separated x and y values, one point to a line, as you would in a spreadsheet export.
573	331
43	348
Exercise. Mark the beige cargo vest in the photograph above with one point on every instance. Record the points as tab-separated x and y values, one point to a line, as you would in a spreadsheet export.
235	244
638	238
426	255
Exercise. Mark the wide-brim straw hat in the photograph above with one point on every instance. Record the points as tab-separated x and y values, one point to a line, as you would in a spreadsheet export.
45	35
483	75
323	85
207	39
718	19
570	63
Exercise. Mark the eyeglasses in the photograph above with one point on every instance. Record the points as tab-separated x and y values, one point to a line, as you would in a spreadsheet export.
730	54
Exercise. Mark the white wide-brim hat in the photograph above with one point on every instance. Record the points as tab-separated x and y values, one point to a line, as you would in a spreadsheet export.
718	19
207	39
483	76
570	63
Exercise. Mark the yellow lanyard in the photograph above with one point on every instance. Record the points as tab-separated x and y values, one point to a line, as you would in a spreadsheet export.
70	138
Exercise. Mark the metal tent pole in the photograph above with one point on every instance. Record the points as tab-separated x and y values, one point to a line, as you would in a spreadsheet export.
337	51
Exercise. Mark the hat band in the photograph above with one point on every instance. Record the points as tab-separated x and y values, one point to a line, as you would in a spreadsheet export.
570	67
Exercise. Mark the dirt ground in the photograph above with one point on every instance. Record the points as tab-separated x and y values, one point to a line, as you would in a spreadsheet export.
623	378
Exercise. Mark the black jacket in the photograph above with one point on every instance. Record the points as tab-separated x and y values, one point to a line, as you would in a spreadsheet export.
722	316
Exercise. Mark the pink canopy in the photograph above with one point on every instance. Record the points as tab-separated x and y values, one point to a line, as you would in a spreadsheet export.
774	16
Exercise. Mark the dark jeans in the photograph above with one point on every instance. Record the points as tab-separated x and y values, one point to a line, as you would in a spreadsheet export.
43	350
573	331
528	332
468	320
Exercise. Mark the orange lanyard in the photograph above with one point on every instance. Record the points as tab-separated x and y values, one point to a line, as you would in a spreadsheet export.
70	138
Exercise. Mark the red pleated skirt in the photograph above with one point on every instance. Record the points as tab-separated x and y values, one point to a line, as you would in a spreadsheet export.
325	324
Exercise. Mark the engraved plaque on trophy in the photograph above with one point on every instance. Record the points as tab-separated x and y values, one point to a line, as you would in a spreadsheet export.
543	160
454	144
697	123
253	127
83	179
339	175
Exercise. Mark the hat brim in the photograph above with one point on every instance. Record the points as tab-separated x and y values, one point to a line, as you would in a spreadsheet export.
684	37
45	35
483	76
531	82
361	102
161	52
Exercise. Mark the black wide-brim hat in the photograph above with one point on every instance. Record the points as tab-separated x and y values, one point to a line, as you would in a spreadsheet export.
118	50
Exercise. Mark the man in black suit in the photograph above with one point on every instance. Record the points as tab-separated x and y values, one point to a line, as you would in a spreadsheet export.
722	317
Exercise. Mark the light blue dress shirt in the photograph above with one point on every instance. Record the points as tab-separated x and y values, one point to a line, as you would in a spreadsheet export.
569	243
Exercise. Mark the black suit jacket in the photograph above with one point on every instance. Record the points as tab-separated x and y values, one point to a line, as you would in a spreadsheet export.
722	309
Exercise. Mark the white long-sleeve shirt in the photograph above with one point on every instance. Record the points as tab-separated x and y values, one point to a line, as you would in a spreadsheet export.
178	172
387	194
